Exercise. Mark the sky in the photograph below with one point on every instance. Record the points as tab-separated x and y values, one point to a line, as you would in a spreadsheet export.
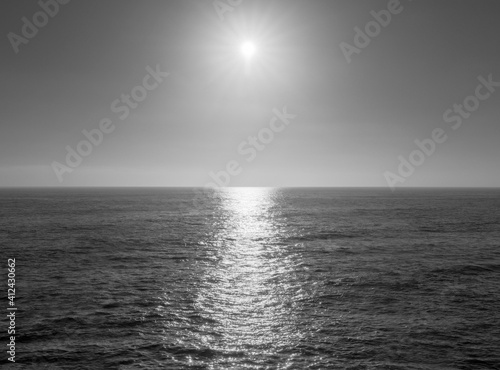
320	103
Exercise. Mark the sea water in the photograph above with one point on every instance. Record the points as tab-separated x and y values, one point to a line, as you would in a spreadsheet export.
254	278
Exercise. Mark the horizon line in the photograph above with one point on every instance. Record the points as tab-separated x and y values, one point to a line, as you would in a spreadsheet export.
233	187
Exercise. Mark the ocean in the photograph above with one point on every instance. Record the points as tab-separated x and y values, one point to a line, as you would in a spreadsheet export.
253	278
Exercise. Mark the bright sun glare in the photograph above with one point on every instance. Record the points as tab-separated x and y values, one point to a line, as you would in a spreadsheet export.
248	49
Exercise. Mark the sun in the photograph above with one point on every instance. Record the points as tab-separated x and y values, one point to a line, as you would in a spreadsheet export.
248	49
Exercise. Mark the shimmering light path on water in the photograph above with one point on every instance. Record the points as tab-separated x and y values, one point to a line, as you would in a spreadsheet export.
254	291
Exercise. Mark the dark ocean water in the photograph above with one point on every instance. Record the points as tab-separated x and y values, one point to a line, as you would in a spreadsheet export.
254	278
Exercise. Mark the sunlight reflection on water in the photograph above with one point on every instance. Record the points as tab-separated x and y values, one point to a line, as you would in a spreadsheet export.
250	295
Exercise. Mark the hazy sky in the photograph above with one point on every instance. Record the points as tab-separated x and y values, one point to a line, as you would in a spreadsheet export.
354	121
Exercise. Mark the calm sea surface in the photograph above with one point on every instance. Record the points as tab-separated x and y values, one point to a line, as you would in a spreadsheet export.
253	278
